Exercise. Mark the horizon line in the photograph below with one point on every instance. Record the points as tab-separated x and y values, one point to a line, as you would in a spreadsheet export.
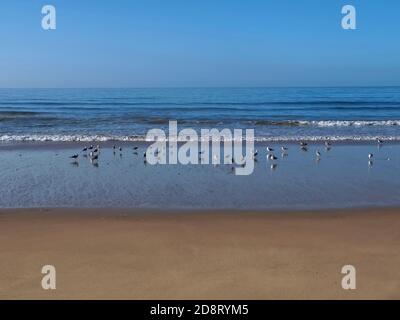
203	87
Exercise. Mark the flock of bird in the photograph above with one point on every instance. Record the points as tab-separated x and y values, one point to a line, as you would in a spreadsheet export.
304	147
93	153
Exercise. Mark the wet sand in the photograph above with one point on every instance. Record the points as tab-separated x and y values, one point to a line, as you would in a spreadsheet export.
44	175
147	254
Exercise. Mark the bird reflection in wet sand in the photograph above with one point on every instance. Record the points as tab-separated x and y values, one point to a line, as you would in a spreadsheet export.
75	163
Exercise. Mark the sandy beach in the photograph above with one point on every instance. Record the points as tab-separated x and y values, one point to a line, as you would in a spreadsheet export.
132	254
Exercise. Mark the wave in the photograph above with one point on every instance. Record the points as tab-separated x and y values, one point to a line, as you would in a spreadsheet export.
267	122
235	120
142	138
17	113
348	123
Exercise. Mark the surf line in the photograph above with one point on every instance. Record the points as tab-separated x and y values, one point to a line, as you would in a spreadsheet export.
188	147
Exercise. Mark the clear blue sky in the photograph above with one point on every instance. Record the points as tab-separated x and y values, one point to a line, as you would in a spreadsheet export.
149	43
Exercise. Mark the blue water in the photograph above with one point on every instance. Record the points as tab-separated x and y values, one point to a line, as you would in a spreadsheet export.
127	114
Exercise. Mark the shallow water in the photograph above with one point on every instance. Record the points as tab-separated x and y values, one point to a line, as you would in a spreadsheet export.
46	177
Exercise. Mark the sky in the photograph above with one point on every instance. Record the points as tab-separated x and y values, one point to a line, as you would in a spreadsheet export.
199	43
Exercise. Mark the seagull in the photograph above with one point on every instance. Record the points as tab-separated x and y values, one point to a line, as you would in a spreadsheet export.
284	149
273	166
91	147
94	157
370	156
84	149
380	141
271	157
269	149
318	154
75	156
303	144
327	144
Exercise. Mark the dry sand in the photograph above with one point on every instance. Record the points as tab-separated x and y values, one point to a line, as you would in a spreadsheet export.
131	254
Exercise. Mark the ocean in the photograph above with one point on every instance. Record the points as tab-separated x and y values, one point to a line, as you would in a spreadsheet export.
276	114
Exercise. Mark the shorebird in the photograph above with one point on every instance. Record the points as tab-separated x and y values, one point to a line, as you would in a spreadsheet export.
75	156
271	157
84	149
370	163
327	144
370	156
120	149
91	147
273	166
144	154
380	141
318	154
135	148
284	149
303	144
94	157
269	149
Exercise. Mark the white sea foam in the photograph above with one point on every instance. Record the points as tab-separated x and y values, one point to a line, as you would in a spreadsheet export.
348	123
104	138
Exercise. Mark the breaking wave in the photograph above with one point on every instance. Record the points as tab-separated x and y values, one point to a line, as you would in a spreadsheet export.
104	138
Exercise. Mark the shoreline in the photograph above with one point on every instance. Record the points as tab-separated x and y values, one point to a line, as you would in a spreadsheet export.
115	211
147	254
58	145
110	143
